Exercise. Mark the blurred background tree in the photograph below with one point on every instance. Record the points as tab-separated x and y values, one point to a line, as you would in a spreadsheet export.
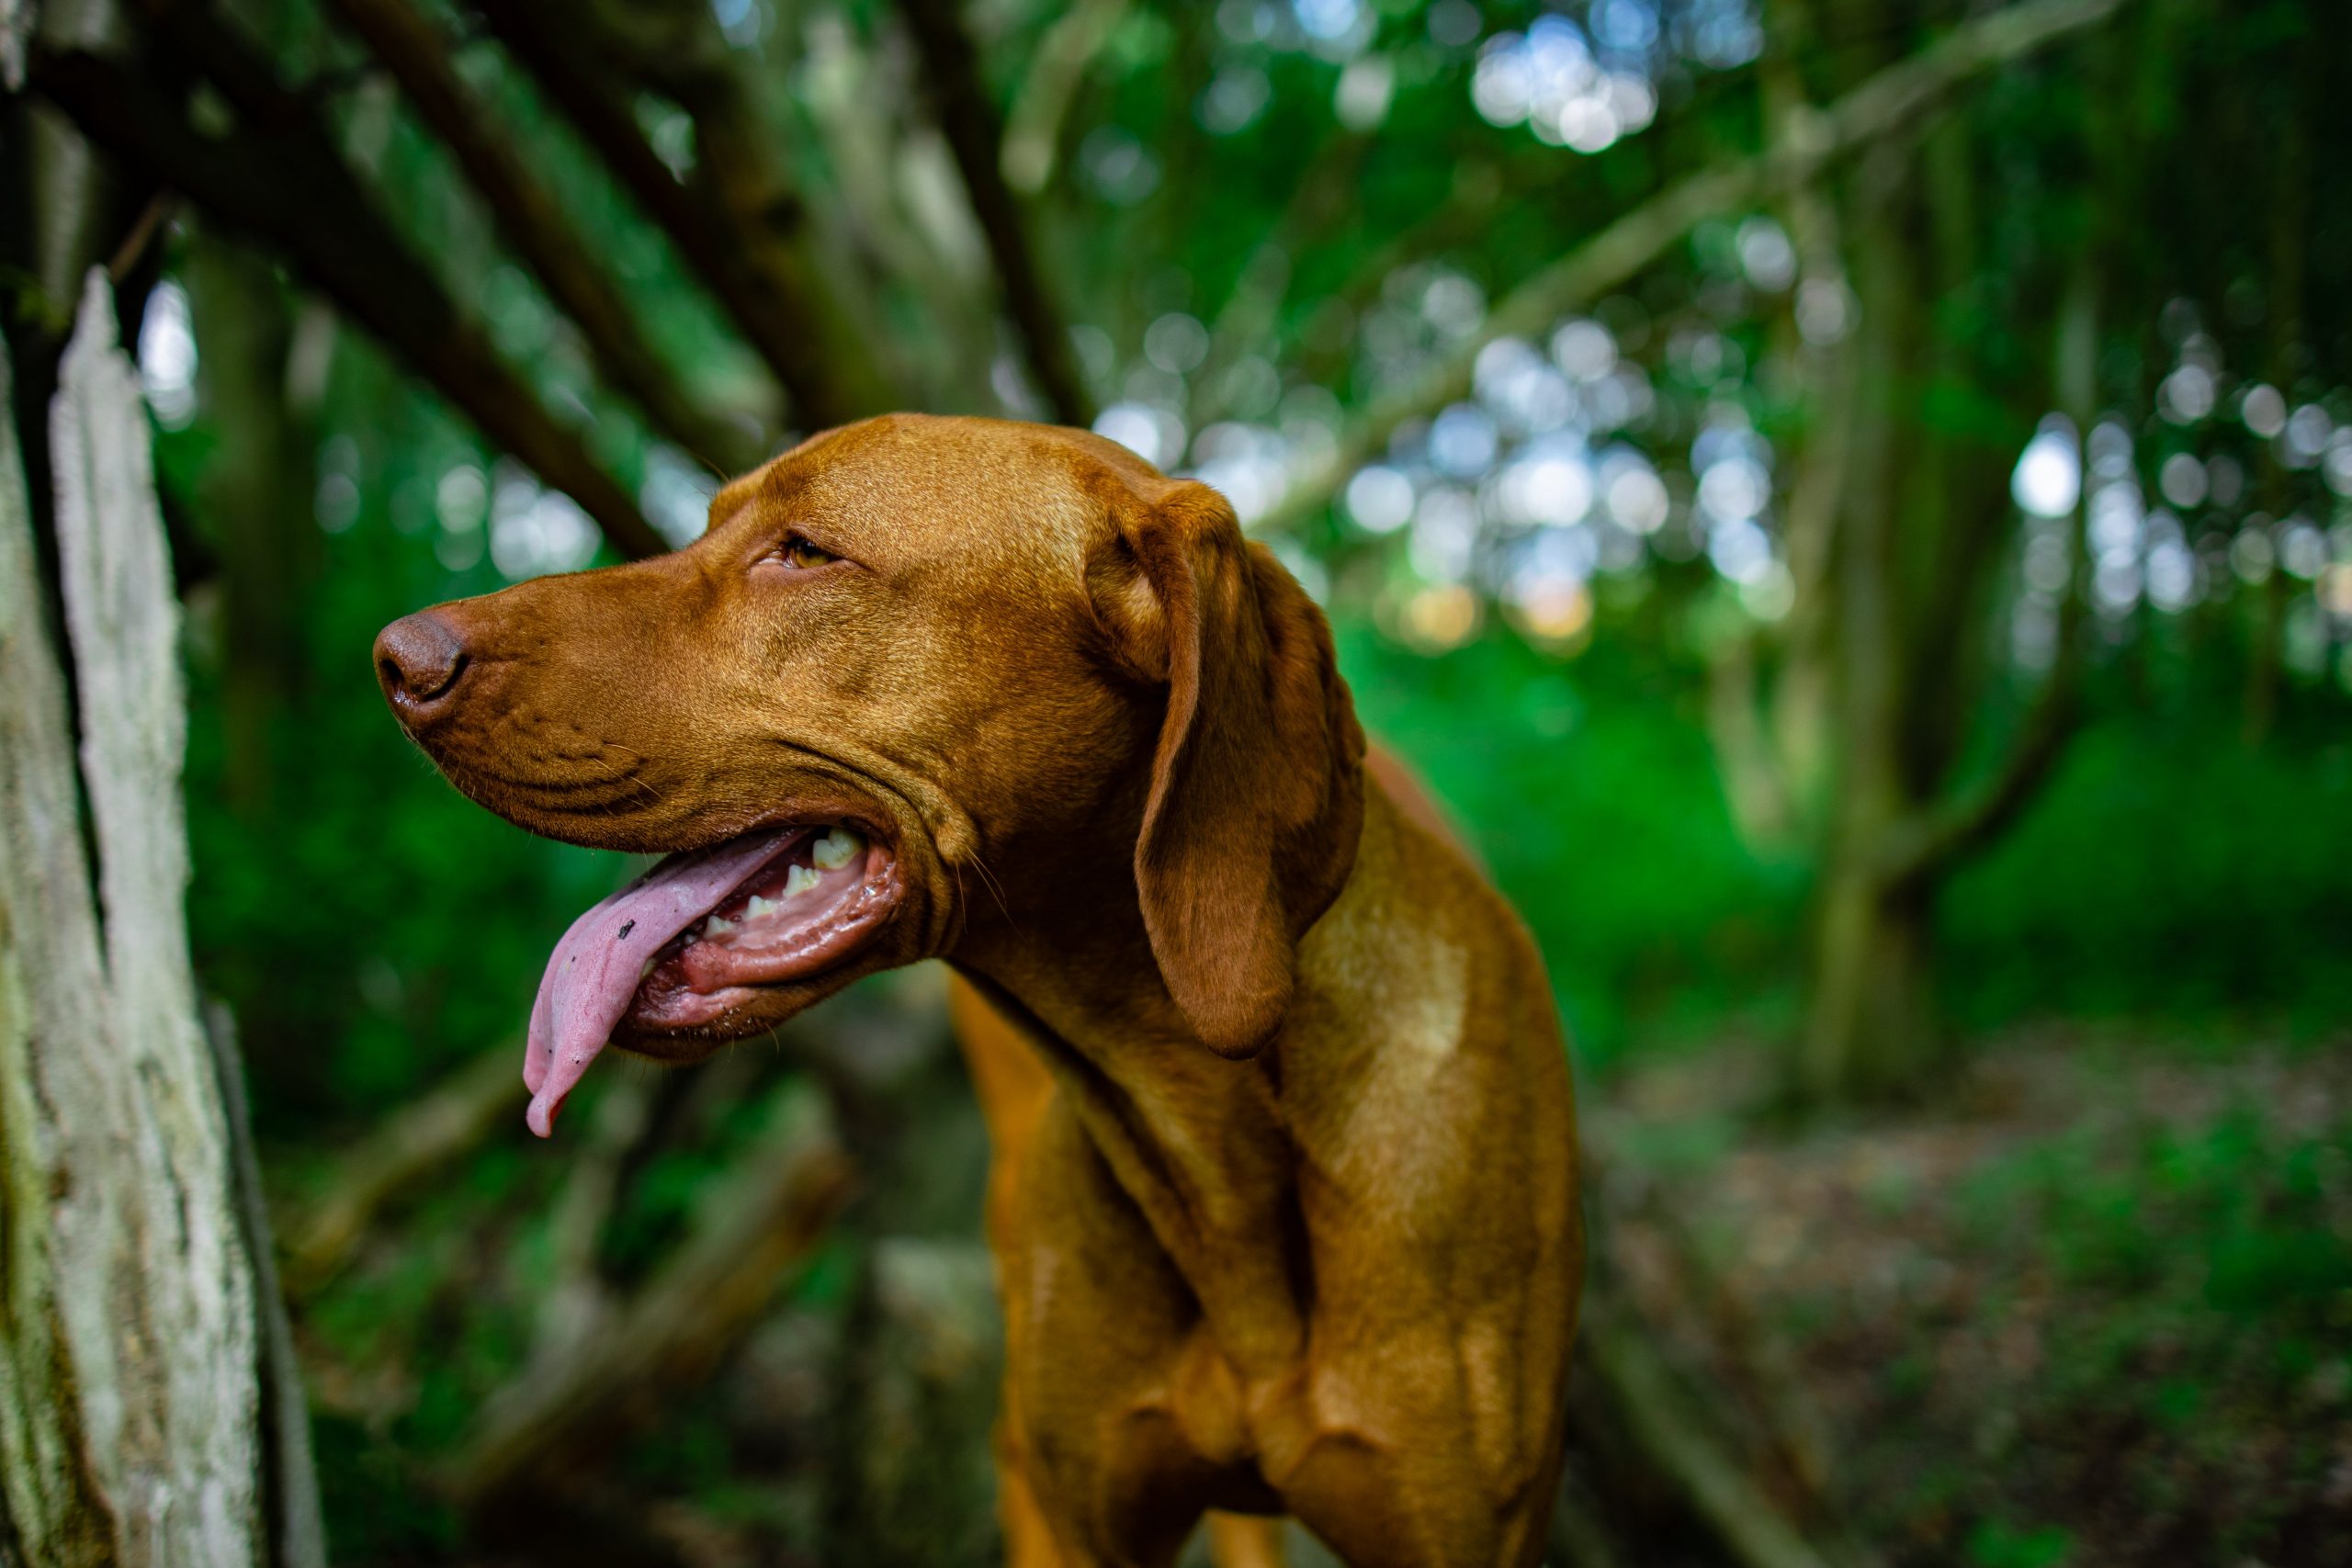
1847	502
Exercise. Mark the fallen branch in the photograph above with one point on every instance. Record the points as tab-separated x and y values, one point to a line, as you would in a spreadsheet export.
1671	1437
576	1300
1879	107
275	175
418	1143
535	227
975	134
684	1321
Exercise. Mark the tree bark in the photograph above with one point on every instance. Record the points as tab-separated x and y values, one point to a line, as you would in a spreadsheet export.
56	1103
1871	1029
1867	1017
131	1405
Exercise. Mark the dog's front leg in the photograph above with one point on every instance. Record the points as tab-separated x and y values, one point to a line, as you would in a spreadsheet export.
1099	1432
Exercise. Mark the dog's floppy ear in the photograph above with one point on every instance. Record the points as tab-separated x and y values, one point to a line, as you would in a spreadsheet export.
1256	791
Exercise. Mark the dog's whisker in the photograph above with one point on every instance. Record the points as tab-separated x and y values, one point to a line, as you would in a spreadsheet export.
629	775
995	888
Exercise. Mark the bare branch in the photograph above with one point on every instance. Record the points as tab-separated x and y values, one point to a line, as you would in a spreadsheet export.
1033	128
421	1141
1754	784
576	1300
534	226
1949	835
1877	108
687	1319
1672	1436
275	176
976	134
1940	837
733	226
1324	192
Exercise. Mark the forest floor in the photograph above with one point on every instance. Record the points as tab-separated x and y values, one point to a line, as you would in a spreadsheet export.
2094	1307
2091	1305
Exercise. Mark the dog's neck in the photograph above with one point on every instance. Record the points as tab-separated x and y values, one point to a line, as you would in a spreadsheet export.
1204	1146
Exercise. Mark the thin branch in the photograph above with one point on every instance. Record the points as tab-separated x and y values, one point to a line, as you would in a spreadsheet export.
275	176
1952	834
576	1300
1877	108
730	226
535	227
685	1320
133	249
976	134
1325	190
421	1141
1827	370
1754	784
1671	1434
906	244
1033	128
1940	836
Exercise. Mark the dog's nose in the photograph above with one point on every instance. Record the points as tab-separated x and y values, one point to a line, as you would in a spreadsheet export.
419	659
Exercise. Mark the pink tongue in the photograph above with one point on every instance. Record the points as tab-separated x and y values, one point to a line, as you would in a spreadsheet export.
596	969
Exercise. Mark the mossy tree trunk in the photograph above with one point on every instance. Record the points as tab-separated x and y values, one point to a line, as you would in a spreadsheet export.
134	1427
1899	526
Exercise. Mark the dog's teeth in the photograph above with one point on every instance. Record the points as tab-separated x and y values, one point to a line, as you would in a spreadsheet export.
799	880
716	926
644	970
758	906
837	849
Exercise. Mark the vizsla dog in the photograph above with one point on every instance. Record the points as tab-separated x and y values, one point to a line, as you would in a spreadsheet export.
1284	1198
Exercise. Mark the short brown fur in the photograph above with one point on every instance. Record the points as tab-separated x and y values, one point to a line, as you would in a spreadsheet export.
1283	1193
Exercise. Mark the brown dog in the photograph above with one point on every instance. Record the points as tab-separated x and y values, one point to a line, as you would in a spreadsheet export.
1284	1198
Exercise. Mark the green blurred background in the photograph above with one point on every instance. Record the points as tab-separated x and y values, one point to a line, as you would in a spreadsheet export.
1849	502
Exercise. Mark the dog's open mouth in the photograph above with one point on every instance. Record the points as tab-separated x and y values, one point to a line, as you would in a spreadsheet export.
695	938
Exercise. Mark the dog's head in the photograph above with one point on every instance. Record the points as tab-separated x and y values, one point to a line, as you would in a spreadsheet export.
919	674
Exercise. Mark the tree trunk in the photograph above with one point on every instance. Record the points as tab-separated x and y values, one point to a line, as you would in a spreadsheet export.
131	1410
257	494
1921	526
1871	1029
1865	980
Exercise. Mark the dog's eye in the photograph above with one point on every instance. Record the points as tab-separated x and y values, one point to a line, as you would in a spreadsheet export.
801	555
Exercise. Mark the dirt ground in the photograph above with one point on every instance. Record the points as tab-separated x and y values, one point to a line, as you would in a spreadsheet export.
2095	1308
